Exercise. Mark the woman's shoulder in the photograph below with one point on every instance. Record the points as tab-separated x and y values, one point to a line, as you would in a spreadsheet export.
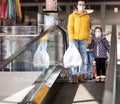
72	15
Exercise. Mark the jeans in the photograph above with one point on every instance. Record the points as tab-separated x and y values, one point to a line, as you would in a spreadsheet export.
90	62
81	46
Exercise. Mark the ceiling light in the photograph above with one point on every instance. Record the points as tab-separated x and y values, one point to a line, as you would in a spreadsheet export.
115	9
90	11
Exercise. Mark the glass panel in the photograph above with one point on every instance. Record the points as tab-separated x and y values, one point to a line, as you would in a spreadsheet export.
17	30
13	38
61	15
20	74
96	15
118	42
108	31
111	13
43	23
53	43
22	66
28	12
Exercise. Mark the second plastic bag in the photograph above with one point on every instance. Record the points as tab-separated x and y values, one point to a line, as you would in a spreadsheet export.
72	57
41	57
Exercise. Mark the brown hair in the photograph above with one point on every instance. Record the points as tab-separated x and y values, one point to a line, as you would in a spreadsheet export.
98	28
81	0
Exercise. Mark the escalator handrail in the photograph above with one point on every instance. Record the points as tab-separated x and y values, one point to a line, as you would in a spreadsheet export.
19	52
110	85
28	45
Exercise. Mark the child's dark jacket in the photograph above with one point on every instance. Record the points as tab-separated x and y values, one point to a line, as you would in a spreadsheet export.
100	47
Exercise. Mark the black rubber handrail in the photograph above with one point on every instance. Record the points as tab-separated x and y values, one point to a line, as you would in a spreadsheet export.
110	85
19	52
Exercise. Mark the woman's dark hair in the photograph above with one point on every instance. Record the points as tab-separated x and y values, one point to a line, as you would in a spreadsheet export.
81	0
98	28
75	7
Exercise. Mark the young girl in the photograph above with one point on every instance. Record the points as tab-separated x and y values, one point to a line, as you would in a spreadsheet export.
100	47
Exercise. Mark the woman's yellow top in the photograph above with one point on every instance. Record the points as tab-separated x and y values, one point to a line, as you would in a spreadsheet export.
79	27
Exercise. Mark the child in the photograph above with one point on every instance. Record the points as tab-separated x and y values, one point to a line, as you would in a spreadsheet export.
100	47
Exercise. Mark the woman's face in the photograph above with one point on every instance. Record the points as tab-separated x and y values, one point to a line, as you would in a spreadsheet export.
81	6
98	33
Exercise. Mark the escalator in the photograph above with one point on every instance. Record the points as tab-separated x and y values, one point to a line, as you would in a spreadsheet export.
95	93
92	92
82	93
22	83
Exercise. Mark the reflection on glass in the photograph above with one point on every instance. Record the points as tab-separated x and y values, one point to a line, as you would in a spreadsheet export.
17	30
20	76
45	22
52	42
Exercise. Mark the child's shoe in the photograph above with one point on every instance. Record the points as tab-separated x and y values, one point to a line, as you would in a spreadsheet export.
103	78
98	79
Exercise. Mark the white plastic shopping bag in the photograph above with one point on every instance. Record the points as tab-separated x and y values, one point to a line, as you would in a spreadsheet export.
41	57
72	57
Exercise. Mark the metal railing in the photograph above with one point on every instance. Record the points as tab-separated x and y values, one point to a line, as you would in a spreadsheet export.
19	52
110	85
39	82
